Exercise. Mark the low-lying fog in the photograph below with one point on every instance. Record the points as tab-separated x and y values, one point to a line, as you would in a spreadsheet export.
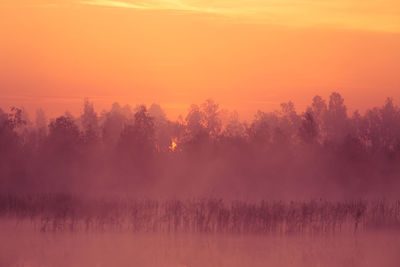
321	152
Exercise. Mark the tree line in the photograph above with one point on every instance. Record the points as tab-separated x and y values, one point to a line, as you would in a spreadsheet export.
322	151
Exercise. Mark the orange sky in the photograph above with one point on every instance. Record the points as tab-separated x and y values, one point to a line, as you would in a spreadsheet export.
245	54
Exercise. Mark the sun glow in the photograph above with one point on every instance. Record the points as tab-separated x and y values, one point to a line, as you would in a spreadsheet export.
173	145
247	55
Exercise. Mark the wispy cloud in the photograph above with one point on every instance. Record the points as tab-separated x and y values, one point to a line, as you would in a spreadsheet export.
111	3
156	5
374	15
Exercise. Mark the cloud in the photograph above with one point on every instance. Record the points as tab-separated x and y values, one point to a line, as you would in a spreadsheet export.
370	15
154	5
111	3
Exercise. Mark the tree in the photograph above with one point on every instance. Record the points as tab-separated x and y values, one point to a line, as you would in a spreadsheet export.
337	109
113	124
212	121
336	120
136	146
138	138
63	133
90	123
162	128
195	121
234	128
41	123
308	130
157	113
319	111
390	125
8	137
288	126
259	130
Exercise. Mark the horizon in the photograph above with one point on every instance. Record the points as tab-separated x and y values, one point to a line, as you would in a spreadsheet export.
75	107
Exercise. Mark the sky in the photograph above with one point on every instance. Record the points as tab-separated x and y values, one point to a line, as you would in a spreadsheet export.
244	54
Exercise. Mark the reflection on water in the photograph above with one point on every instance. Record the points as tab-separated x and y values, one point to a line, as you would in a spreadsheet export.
22	246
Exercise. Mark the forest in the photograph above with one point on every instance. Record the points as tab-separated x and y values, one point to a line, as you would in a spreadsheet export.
322	151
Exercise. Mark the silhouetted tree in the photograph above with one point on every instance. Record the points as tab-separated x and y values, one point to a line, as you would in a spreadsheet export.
336	119
259	131
234	128
319	111
7	135
164	130
113	124
138	137
287	130
308	131
90	123
128	146
196	134
212	121
63	133
41	124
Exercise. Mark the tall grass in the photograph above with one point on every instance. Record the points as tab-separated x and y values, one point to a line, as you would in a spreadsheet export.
59	212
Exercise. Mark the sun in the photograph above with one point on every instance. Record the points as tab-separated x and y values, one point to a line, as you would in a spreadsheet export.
173	145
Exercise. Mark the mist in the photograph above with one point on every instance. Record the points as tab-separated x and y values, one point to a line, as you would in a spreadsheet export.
320	152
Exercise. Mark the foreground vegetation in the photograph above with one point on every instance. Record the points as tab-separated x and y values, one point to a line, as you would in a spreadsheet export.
61	212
